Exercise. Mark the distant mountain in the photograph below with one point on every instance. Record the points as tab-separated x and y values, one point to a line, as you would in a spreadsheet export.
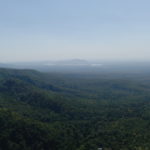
4	65
81	66
72	62
72	65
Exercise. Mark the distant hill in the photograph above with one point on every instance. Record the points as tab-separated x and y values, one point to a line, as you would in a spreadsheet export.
82	66
72	62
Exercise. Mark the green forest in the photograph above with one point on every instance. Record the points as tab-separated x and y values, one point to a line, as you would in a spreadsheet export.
58	111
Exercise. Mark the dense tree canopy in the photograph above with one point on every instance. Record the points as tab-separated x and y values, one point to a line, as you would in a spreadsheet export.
43	111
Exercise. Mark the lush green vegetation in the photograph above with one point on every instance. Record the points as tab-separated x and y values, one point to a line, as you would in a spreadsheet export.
40	111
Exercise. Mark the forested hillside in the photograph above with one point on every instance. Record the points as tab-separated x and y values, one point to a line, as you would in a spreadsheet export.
58	111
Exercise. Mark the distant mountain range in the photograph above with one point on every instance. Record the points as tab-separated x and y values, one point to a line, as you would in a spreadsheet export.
76	62
80	65
51	65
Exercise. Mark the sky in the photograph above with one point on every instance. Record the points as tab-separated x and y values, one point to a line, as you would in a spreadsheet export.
36	30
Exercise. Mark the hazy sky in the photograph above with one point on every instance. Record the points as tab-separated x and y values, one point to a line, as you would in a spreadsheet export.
86	29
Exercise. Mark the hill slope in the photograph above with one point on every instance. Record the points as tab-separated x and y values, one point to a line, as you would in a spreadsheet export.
79	112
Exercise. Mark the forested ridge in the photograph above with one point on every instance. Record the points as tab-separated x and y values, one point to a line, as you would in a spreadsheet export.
58	111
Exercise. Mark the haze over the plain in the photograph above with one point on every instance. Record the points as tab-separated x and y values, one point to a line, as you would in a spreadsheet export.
64	29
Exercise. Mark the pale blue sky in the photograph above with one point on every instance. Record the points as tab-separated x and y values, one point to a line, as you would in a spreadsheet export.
66	29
